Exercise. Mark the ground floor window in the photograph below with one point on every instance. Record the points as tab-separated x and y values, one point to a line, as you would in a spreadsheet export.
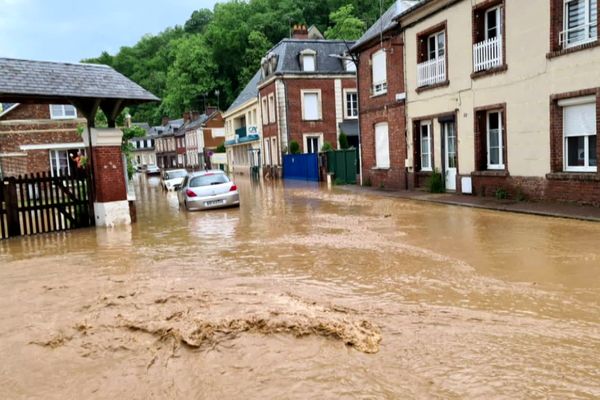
267	152
382	145
64	162
579	133
495	142
426	146
274	151
312	144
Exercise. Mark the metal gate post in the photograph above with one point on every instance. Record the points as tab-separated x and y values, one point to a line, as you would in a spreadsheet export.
12	208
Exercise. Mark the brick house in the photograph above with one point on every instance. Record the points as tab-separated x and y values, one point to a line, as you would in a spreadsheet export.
166	149
202	131
144	152
39	138
382	94
306	92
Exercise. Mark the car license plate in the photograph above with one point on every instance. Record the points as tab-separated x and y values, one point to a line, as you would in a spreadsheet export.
213	203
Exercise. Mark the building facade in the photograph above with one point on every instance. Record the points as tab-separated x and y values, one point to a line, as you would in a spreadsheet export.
382	95
39	138
306	92
166	147
144	152
499	116
243	128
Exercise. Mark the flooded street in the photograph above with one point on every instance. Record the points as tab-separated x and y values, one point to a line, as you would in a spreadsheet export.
304	293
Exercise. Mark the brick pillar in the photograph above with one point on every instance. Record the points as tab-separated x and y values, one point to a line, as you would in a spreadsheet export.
110	205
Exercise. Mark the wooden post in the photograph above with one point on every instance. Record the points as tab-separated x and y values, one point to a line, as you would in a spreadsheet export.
12	208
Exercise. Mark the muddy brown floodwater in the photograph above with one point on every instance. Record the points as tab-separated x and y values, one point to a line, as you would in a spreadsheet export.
304	293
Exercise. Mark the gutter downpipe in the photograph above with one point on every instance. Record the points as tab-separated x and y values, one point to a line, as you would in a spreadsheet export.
360	166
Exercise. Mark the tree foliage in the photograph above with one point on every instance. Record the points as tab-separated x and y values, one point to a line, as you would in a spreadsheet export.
345	25
221	49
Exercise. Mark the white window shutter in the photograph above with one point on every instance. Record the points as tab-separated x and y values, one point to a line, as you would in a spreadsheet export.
311	106
379	67
579	120
382	146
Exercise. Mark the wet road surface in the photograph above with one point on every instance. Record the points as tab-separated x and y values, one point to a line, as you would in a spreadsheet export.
304	293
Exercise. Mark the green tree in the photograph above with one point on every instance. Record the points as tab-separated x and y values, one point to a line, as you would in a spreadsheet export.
198	21
294	147
258	45
192	74
344	141
345	25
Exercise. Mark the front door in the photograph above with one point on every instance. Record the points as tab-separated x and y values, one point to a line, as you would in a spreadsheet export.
449	132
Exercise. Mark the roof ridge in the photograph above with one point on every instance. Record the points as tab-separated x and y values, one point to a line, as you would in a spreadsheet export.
56	62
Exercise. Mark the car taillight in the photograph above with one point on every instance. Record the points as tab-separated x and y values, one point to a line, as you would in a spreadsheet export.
190	193
233	188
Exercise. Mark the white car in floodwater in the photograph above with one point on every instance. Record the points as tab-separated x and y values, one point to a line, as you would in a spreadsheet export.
207	190
172	180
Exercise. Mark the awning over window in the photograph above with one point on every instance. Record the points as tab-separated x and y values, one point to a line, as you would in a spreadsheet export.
350	127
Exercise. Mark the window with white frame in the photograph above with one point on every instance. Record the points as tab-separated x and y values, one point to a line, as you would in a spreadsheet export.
312	143
493	23
579	132
265	111
308	59
382	146
272	108
379	72
351	109
436	46
425	144
62	111
349	65
495	140
311	106
580	22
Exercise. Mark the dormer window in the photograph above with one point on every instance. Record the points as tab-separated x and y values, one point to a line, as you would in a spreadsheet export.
308	60
272	62
349	65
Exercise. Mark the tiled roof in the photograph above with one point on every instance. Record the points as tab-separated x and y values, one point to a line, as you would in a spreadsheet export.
386	22
51	79
288	53
249	92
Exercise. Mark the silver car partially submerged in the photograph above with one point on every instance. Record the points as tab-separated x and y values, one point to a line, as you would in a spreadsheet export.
207	190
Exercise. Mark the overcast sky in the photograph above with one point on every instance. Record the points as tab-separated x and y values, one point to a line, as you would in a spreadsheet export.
71	30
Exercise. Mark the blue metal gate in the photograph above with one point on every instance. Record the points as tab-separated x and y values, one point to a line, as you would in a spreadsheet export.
301	166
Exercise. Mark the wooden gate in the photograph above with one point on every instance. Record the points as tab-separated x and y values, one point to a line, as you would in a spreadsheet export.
40	203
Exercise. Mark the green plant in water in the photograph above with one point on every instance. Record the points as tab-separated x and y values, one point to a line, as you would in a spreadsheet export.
435	183
501	194
326	147
294	147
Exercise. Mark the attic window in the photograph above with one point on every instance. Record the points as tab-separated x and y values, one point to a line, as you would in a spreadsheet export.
308	60
349	65
62	111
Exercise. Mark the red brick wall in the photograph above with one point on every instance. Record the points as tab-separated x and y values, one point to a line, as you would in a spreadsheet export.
110	176
215	122
297	127
383	108
268	129
16	131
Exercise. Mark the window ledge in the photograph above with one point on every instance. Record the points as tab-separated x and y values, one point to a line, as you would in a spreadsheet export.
379	94
424	173
574	49
380	168
574	176
446	83
491	71
490	172
312	120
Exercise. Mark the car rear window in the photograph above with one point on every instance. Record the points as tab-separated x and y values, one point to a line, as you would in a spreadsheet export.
208	180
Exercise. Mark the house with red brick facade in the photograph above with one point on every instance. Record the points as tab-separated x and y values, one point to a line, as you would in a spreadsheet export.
382	96
37	138
307	91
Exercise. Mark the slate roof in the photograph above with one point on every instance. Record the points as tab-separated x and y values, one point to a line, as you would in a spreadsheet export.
288	52
54	80
386	22
249	92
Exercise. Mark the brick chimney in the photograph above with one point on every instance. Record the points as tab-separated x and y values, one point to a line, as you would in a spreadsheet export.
195	115
300	31
165	121
211	109
186	117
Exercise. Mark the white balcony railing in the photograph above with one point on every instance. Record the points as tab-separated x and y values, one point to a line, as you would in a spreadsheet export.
578	35
431	72
487	54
